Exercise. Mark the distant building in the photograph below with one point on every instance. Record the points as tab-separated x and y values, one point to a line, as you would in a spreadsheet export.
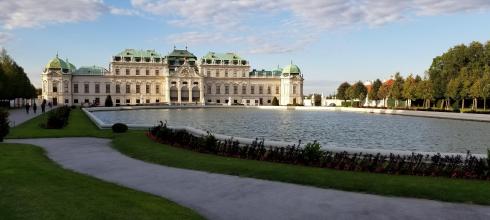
146	77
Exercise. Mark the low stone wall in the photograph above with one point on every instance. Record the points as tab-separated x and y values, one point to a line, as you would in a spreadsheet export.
242	140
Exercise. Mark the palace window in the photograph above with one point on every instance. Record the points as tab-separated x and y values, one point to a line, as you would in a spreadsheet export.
75	88
157	100
277	89
252	89
227	89
85	88
107	88
261	89
55	87
234	73
208	73
268	90
147	101
147	89
65	86
97	88
208	89
157	89
75	101
138	88
243	74
127	72
128	101
244	89
117	71
86	101
128	88
147	72
157	72
118	88
217	73
226	73
218	88
66	101
118	101
235	89
137	72
137	101
294	89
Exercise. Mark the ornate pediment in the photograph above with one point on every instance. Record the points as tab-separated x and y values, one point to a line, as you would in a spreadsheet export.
186	71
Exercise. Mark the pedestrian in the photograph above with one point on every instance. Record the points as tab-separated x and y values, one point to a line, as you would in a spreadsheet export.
43	106
34	107
50	105
27	108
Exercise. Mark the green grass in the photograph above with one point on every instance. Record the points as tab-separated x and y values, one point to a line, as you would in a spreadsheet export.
137	145
33	187
79	125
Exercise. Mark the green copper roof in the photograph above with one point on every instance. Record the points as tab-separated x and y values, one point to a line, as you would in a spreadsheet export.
291	69
57	63
71	66
139	53
181	54
90	71
221	56
277	71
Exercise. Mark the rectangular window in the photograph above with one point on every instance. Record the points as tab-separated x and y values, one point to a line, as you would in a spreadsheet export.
208	73
147	89
234	73
218	89
128	88
261	89
85	88
157	89
252	89
107	88
117	71
217	73
244	89
65	86
118	101
157	100
138	88
227	89
97	88
226	73
147	72
157	72
294	89
277	89
55	88
209	90
75	88
137	72
268	90
75	101
128	101
235	89
127	72
86	101
147	101
66	101
118	88
137	101
243	74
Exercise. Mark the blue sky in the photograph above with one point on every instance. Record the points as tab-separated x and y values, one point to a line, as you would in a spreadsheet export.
331	40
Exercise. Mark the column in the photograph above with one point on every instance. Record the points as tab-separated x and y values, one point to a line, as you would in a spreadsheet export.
178	92
201	91
190	91
167	90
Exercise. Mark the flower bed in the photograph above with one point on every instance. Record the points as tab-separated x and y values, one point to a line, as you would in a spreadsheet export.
469	167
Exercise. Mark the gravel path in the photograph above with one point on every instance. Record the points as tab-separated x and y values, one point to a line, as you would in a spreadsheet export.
217	196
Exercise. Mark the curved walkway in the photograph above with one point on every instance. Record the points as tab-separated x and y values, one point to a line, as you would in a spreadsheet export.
218	196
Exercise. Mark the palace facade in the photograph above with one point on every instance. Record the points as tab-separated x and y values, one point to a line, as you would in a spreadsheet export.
146	77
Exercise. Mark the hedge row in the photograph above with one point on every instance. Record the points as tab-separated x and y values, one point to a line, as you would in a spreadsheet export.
468	167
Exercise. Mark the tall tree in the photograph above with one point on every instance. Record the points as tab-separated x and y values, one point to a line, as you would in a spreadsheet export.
359	92
373	93
409	89
397	88
342	91
425	91
475	93
384	92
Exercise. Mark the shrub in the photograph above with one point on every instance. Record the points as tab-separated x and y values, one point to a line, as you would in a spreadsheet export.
275	101
119	128
58	118
312	153
108	101
4	123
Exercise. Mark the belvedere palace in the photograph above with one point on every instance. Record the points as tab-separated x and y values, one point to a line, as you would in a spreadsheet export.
146	77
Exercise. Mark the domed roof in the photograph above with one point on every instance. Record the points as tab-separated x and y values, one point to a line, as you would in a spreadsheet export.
57	63
291	69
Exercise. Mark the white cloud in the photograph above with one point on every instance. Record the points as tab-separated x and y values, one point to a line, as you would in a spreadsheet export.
123	11
36	13
218	20
4	37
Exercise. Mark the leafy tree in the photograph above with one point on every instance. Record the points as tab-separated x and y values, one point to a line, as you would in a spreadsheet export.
384	92
359	91
453	90
409	89
485	84
275	101
397	88
108	101
373	93
475	93
425	91
350	95
342	91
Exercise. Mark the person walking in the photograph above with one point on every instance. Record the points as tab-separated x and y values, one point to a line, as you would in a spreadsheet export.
27	108
34	107
43	106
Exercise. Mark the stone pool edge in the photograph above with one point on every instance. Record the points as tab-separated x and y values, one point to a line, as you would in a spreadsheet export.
100	124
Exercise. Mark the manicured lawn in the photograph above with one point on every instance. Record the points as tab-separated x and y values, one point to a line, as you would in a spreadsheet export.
79	125
137	145
33	187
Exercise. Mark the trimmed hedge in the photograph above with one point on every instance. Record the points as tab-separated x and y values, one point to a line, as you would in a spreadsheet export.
468	167
119	128
58	118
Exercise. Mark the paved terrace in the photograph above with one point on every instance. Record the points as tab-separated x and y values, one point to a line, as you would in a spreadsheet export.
218	196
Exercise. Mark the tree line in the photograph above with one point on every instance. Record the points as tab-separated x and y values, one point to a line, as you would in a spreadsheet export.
458	75
14	82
